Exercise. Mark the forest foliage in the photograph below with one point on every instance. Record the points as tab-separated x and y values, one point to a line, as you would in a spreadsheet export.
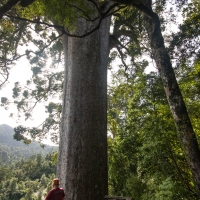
145	156
27	179
26	171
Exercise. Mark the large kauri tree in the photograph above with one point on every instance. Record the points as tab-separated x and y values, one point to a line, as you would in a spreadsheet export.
82	162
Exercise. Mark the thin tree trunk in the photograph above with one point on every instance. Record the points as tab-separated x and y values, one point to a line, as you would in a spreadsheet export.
177	105
7	6
82	162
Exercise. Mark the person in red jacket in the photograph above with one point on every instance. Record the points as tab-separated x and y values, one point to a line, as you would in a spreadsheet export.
56	193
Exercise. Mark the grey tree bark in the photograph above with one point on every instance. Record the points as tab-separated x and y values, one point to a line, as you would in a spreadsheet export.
177	105
82	165
82	162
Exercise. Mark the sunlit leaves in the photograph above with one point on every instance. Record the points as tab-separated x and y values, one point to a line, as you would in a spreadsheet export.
35	10
66	17
6	25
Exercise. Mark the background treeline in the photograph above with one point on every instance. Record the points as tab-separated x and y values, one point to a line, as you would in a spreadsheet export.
27	180
12	150
26	171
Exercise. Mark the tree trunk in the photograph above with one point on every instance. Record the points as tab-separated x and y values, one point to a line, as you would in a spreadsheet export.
177	105
82	162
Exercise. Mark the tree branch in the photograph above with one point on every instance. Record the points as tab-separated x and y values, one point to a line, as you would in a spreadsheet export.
11	3
6	7
122	58
139	5
6	75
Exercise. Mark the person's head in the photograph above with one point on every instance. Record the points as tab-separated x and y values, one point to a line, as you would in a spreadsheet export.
55	183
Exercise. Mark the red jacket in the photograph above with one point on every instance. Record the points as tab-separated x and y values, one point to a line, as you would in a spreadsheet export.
55	194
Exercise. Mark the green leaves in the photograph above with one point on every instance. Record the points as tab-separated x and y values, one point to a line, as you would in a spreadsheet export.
63	12
165	190
22	180
144	146
19	134
185	43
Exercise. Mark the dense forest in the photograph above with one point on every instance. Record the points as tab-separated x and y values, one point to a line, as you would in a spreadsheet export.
136	136
26	171
145	156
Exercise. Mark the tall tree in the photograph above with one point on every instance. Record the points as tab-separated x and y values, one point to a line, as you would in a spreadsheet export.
177	105
82	162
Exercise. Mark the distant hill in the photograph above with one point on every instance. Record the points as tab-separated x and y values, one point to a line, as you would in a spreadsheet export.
12	150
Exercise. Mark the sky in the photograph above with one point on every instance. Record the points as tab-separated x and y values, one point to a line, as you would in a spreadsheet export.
20	72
